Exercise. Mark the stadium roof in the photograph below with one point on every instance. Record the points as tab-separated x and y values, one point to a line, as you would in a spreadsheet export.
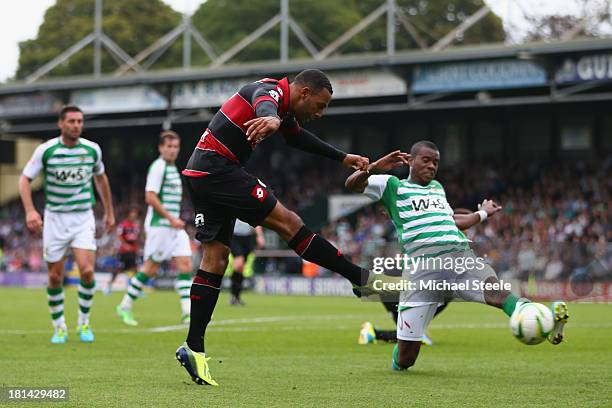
361	61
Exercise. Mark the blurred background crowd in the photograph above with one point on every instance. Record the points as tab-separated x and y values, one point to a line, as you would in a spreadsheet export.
555	222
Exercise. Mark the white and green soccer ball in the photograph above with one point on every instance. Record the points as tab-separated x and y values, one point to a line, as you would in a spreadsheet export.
531	323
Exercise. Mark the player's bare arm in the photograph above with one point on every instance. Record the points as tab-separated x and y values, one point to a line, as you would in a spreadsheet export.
487	209
152	199
33	219
103	188
358	181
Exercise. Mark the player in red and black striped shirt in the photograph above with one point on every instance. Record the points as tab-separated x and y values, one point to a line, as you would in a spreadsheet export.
129	234
221	190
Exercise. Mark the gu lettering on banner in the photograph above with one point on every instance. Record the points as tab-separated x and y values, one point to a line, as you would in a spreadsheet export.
595	67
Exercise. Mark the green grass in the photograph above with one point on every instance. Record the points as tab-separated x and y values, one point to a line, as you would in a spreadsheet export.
302	351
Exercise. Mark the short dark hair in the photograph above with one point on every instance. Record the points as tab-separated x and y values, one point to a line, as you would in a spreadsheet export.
416	148
314	79
168	135
68	108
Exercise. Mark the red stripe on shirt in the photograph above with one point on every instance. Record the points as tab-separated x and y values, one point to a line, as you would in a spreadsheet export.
194	173
208	141
238	110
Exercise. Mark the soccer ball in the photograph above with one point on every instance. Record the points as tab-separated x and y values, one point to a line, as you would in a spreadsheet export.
531	323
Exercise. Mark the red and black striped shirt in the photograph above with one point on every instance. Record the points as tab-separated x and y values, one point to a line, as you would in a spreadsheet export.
226	133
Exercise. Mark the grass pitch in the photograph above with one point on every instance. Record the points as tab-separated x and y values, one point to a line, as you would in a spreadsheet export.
301	351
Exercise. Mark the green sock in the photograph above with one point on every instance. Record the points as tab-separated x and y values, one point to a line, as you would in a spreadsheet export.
55	300
136	285
86	294
510	304
396	357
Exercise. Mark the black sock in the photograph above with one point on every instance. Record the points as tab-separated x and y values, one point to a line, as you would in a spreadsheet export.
389	336
316	249
440	309
237	279
392	309
204	294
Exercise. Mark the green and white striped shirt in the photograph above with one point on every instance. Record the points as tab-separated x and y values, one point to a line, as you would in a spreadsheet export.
67	173
164	180
422	217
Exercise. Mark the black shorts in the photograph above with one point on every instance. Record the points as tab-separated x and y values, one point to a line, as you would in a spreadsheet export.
242	245
226	193
127	260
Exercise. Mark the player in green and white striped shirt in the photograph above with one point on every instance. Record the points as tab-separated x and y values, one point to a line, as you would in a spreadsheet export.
165	231
429	231
69	164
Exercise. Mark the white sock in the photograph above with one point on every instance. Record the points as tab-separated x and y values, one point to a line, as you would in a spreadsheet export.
126	302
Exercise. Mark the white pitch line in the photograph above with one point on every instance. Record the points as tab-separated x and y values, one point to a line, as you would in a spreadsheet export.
214	326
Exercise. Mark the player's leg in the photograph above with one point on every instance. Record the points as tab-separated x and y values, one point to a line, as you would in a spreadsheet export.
311	246
134	291
405	354
237	279
204	294
56	242
205	291
389	336
55	300
116	271
240	248
181	253
85	260
508	302
214	229
182	285
412	323
126	263
159	244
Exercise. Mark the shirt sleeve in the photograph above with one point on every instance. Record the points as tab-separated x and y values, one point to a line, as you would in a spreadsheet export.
266	102
155	177
35	164
98	168
376	186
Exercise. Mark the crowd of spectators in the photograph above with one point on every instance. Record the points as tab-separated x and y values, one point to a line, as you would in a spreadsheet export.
556	218
556	221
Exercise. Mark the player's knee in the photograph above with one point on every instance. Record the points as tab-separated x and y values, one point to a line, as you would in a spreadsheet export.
494	297
284	221
55	279
87	274
290	225
216	257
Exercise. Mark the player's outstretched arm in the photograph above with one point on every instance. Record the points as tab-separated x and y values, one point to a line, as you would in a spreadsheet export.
485	210
358	181
103	187
306	141
33	219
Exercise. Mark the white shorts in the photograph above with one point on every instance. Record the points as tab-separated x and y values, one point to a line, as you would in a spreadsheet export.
63	230
163	243
412	321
